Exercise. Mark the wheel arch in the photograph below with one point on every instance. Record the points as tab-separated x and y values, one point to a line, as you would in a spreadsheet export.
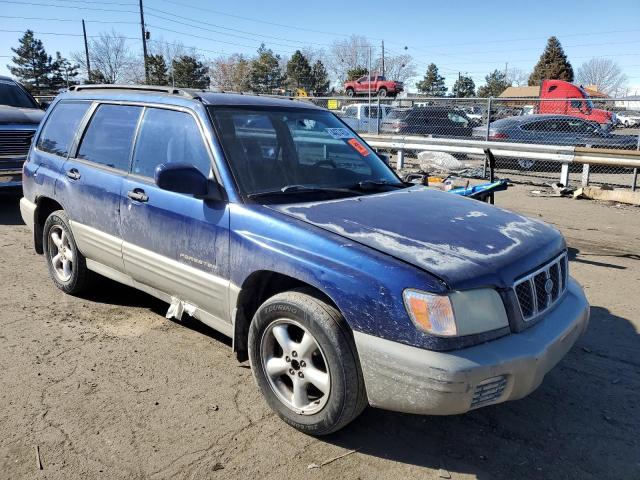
255	290
45	206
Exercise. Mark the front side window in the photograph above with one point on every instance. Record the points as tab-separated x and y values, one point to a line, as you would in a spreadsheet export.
458	119
294	147
13	95
168	136
61	126
109	136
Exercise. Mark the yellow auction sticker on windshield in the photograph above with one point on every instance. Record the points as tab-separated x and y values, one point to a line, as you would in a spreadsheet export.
358	147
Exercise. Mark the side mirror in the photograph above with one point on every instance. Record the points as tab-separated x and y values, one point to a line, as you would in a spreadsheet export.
185	178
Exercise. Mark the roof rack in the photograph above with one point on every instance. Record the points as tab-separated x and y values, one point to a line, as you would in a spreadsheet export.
143	88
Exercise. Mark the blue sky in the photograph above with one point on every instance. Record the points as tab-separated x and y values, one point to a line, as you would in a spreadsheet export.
467	36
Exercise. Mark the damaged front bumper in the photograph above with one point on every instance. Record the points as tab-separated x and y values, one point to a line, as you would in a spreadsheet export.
412	380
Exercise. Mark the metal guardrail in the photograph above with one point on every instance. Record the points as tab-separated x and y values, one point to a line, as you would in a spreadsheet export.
564	155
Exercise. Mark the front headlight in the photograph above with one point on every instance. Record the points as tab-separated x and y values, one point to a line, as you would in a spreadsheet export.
459	313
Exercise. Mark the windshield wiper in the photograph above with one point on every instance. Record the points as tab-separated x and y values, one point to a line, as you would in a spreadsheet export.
291	189
372	184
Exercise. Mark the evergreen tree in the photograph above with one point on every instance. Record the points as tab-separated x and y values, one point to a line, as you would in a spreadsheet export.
496	83
356	73
32	64
63	73
464	87
157	70
265	75
433	83
188	72
553	64
319	79
299	71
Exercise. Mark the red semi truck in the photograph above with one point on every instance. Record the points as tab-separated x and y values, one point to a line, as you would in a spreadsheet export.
572	100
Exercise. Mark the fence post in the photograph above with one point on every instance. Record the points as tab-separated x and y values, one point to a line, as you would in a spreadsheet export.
378	115
400	162
634	180
585	174
564	174
486	136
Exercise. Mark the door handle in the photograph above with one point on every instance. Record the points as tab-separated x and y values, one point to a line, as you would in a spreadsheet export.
138	195
73	174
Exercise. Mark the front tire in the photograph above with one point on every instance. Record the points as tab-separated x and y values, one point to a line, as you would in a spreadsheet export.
351	92
382	92
305	362
67	266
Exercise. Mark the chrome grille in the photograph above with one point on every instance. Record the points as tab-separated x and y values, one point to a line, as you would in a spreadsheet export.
488	391
541	290
15	142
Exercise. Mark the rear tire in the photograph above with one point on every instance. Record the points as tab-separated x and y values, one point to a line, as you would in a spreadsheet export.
67	266
305	362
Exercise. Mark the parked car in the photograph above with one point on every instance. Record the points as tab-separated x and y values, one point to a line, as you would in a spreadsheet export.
377	85
20	115
474	112
364	118
435	121
628	118
271	222
554	130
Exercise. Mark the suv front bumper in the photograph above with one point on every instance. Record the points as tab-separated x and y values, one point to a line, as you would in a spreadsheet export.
413	380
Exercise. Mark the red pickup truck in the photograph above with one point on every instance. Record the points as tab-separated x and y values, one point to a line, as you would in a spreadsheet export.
378	85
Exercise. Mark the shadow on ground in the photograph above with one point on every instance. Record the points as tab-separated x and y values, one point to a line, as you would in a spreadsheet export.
576	425
10	207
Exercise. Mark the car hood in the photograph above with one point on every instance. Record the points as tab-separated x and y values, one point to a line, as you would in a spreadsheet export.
20	115
464	242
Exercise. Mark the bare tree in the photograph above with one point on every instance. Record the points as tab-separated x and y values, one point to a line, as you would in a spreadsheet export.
171	51
230	73
349	54
605	74
397	67
518	77
111	59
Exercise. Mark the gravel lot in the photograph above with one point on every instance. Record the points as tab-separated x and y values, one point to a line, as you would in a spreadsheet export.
105	387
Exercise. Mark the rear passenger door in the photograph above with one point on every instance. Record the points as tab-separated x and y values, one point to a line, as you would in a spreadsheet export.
174	242
91	183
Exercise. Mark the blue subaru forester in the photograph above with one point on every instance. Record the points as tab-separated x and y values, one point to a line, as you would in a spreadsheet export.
274	223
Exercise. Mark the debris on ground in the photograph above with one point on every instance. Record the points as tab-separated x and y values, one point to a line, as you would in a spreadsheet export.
439	161
442	473
628	197
38	459
331	460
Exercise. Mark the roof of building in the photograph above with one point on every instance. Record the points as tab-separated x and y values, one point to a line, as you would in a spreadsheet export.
521	92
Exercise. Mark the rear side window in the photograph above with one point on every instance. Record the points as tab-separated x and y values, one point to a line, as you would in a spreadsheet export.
61	126
168	136
108	138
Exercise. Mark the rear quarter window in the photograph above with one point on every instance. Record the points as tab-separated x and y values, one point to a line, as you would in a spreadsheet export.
61	126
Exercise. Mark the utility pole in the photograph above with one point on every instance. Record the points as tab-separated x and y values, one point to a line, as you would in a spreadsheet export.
144	43
506	66
383	58
86	52
458	88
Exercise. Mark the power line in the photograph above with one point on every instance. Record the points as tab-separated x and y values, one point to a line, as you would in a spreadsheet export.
266	22
73	7
68	20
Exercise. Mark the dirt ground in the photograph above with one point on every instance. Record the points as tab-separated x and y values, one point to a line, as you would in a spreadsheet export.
105	387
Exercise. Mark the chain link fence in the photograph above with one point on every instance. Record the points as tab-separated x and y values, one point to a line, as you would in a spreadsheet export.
606	123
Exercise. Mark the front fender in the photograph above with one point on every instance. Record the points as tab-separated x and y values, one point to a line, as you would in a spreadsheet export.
365	285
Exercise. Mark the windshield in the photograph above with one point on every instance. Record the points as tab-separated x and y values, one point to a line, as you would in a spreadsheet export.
13	95
587	98
273	149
